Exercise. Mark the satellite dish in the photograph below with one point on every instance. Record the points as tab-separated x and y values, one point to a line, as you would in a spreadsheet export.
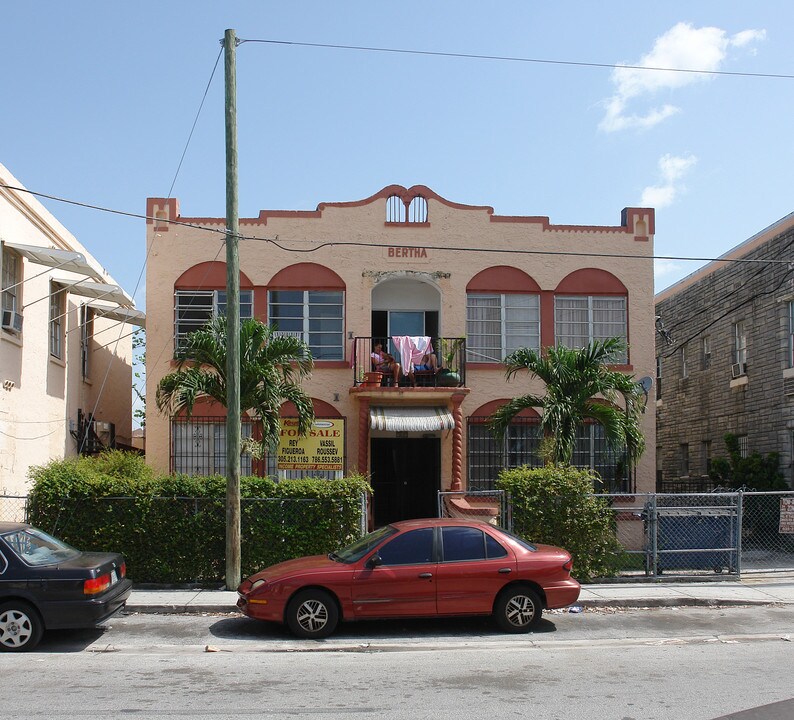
645	383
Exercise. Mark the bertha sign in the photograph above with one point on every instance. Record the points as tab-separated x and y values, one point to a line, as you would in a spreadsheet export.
322	448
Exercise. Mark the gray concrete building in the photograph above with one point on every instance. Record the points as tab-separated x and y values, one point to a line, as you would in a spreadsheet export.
725	360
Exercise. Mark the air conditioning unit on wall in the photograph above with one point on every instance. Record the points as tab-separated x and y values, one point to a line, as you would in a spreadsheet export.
12	320
738	369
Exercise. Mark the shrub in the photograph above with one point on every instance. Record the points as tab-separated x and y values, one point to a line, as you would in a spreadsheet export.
172	528
554	505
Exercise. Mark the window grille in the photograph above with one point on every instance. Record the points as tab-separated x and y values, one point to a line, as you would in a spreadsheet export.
193	309
488	456
316	316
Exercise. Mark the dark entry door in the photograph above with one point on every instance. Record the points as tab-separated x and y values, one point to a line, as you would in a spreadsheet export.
406	476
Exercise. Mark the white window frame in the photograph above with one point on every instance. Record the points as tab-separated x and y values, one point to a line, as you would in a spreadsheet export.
12	270
307	333
684	366
57	315
519	325
86	333
740	343
592	305
216	306
706	354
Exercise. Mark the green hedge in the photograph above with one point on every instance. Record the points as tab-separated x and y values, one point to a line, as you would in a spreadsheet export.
172	528
554	505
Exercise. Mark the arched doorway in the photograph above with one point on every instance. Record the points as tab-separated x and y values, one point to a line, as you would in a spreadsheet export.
405	305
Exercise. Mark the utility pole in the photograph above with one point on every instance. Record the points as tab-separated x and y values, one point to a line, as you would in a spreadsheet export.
232	322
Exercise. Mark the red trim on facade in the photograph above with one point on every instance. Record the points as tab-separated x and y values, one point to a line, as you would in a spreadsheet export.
548	331
591	281
502	279
492	406
306	276
203	408
209	275
168	206
322	409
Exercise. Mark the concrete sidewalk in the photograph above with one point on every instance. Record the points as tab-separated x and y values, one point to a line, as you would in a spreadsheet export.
750	590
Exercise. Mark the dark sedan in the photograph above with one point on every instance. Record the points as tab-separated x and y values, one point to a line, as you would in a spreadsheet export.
46	584
415	568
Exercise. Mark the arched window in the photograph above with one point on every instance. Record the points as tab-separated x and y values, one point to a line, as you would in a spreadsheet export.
417	210
307	300
502	314
591	304
200	295
395	209
487	455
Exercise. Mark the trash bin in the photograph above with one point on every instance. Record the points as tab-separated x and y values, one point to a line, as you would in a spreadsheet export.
697	538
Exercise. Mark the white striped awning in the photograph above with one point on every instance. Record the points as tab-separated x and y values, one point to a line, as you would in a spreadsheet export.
410	419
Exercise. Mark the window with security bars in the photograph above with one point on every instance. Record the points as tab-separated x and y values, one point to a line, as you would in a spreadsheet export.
593	451
580	319
198	446
487	455
499	324
193	309
315	316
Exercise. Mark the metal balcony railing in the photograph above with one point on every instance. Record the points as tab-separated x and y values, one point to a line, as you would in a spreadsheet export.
450	358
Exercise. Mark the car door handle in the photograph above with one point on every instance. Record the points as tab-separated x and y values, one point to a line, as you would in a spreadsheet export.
425	576
505	571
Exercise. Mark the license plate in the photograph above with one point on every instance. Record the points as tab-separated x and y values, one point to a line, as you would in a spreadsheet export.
114	578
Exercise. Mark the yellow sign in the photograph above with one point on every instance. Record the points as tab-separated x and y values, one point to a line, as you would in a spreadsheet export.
322	448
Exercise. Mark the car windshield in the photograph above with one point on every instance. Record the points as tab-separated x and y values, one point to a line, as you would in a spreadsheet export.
35	547
362	546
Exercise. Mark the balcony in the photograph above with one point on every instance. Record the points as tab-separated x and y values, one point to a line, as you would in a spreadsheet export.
450	360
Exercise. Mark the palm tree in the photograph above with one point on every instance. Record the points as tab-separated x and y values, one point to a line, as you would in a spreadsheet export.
271	367
579	387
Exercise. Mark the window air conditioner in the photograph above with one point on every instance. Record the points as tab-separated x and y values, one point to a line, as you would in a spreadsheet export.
12	320
738	369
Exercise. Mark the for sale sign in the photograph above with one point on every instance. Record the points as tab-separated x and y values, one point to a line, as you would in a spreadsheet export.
322	448
787	515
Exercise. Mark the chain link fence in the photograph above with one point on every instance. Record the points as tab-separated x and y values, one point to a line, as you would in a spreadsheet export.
181	540
13	508
489	505
704	533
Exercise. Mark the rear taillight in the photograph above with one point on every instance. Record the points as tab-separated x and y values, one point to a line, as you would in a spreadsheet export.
123	570
96	585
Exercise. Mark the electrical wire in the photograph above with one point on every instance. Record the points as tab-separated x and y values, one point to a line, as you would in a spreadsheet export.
509	58
458	249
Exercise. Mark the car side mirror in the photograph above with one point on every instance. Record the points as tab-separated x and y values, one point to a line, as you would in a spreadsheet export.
374	561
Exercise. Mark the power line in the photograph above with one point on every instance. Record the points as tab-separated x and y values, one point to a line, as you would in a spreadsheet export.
334	243
509	58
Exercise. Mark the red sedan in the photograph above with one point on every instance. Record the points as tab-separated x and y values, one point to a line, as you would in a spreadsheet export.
415	568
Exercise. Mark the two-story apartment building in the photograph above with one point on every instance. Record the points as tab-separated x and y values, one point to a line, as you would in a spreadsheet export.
404	263
725	363
65	345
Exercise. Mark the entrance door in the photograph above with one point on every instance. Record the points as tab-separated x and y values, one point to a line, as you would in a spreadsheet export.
406	477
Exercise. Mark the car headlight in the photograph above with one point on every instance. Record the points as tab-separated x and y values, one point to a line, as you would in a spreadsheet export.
258	583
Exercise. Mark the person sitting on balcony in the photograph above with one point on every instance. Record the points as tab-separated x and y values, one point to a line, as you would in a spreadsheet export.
428	363
385	363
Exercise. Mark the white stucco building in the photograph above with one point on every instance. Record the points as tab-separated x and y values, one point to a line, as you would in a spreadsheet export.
65	343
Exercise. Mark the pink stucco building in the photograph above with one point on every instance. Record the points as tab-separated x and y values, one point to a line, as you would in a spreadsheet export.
404	263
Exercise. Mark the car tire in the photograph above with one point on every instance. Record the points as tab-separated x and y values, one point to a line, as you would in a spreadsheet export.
21	627
517	610
312	614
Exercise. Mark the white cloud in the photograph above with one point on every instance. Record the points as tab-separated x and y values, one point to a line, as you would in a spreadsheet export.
665	270
683	47
672	169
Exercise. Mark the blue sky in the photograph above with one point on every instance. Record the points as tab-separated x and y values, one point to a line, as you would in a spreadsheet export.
100	97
